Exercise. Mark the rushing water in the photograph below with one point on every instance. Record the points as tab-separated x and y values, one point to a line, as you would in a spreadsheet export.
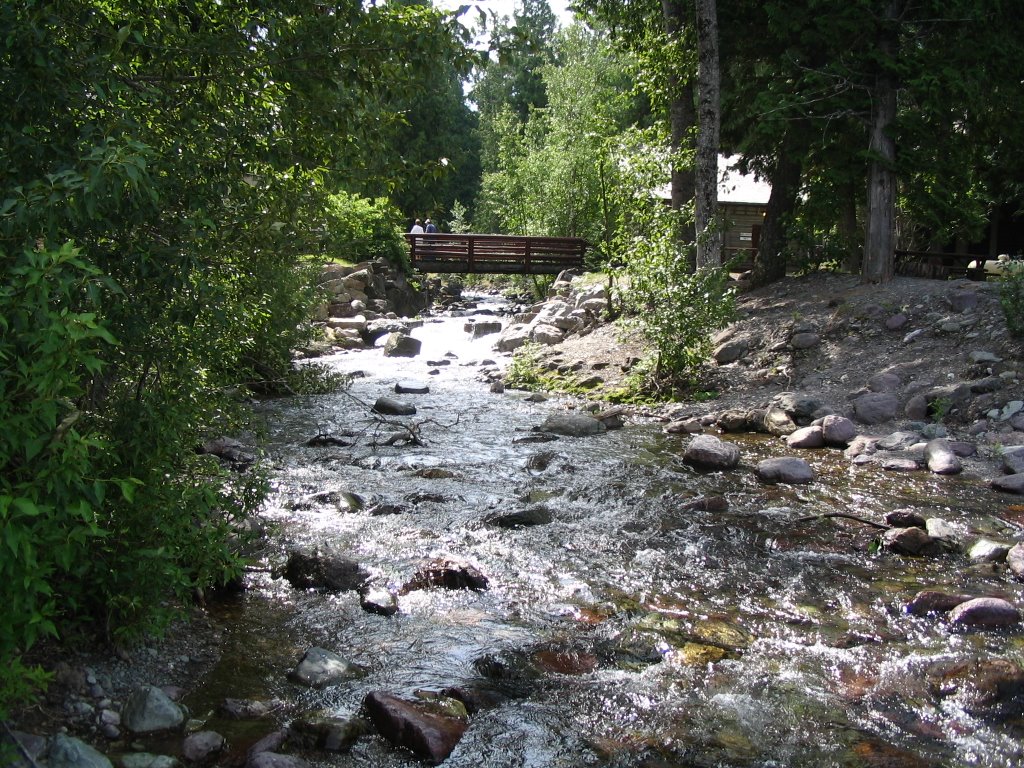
630	630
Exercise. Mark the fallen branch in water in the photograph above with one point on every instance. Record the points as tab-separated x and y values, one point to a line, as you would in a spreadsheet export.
844	515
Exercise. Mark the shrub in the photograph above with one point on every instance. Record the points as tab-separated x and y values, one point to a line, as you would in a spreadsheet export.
356	229
1011	297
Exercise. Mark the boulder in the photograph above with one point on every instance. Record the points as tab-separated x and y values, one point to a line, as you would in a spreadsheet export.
389	406
68	752
806	437
838	430
1015	560
778	422
801	408
933	601
898	441
709	452
447	574
1013	460
804	340
906	518
328	734
572	424
730	351
547	334
483	328
311	568
910	541
378	599
274	760
427	734
320	668
150	710
202	747
885	382
412	388
987	551
941	459
784	469
1009	484
984	613
401	345
524	518
875	407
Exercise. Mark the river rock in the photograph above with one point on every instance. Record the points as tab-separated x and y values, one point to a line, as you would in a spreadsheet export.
272	742
483	328
149	760
329	734
984	613
987	551
68	752
401	345
378	599
804	340
916	408
802	408
149	710
910	541
898	441
612	418
806	437
411	388
709	452
933	601
838	430
985	687
275	760
785	469
323	569
875	407
427	734
736	420
320	668
906	518
389	406
572	424
885	382
247	709
940	458
778	422
1009	484
524	518
899	464
1013	460
730	351
202	747
1015	560
447	574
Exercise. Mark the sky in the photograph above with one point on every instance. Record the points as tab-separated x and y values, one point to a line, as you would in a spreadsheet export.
504	8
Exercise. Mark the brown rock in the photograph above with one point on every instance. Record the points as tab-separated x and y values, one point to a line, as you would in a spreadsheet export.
933	601
427	734
910	541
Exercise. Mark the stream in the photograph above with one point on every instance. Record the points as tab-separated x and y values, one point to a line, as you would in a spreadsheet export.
631	629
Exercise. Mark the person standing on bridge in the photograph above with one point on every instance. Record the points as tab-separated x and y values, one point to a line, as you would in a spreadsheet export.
430	228
417	228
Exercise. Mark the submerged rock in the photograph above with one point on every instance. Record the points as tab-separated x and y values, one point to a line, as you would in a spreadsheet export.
786	469
320	668
984	687
572	425
426	733
329	734
202	747
933	601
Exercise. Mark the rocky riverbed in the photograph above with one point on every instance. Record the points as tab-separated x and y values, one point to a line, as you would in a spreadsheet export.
917	378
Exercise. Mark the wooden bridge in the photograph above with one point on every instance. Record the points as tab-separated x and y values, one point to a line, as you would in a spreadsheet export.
495	254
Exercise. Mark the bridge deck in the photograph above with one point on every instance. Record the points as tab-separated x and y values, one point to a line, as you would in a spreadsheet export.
495	254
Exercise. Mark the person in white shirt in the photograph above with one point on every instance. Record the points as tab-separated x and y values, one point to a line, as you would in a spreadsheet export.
417	228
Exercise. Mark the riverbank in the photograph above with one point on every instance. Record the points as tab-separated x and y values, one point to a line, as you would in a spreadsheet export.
922	357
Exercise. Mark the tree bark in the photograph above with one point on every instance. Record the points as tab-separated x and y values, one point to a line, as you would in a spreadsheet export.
709	233
880	242
770	263
682	118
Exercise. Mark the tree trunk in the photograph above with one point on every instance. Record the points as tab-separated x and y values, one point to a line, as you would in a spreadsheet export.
880	242
682	118
770	262
709	233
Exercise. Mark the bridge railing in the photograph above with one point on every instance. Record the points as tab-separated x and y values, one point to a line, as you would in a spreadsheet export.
495	254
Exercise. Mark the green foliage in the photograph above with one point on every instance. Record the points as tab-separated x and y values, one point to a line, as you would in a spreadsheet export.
357	229
188	156
525	370
1011	297
679	310
51	497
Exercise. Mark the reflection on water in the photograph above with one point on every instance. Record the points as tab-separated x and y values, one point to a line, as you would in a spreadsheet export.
628	631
